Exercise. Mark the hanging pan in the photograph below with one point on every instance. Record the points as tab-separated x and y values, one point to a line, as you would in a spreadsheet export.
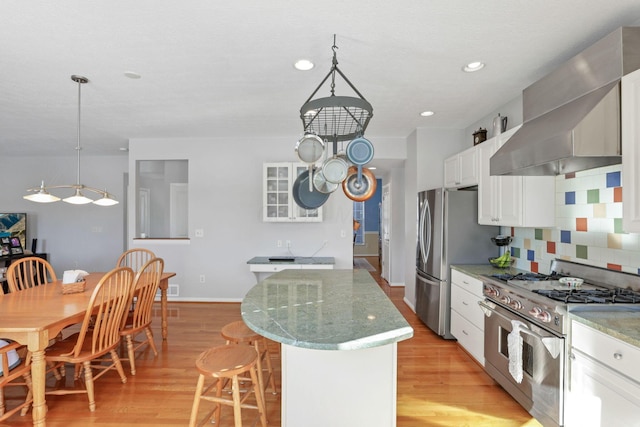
360	152
322	184
305	198
309	149
361	189
335	169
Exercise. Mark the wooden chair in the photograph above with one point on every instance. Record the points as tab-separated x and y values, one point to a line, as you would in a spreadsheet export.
99	334
29	272
144	288
227	363
12	370
135	258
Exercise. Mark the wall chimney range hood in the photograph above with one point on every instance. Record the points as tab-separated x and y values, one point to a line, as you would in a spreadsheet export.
572	115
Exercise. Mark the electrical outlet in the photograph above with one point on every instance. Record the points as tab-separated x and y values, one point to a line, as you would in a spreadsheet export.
202	278
288	243
199	232
279	243
343	233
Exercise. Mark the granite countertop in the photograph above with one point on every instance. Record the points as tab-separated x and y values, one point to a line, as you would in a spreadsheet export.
619	322
324	310
479	270
296	260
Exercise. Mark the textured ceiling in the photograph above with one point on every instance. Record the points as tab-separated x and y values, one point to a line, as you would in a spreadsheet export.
223	69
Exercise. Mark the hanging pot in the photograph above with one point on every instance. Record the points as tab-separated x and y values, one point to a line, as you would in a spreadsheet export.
321	183
304	197
360	188
335	169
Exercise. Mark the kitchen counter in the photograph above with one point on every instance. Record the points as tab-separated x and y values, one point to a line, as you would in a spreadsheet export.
339	335
619	323
623	324
296	261
324	310
479	270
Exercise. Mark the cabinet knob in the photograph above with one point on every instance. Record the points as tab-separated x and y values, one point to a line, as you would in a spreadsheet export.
617	356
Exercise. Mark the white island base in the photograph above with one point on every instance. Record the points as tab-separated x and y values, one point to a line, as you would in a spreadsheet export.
339	388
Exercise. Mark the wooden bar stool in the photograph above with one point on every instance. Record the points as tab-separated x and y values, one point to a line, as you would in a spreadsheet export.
227	363
239	333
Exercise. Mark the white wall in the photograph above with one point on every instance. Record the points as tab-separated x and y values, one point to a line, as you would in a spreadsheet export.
424	169
225	200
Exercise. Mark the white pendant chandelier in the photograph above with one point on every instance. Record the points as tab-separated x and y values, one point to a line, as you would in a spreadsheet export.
41	194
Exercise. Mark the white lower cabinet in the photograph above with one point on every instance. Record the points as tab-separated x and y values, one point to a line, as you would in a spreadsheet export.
604	387
467	319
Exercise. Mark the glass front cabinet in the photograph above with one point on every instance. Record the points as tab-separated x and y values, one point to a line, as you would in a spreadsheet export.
278	203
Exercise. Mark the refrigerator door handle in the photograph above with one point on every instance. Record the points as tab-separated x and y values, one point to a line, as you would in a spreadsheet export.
425	205
427	223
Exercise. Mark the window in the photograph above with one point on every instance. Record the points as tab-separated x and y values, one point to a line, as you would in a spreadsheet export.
358	217
162	198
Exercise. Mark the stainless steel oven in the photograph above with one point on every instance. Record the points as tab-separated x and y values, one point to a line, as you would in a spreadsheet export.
543	358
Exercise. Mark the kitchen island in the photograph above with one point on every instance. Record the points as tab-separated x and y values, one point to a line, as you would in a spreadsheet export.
339	335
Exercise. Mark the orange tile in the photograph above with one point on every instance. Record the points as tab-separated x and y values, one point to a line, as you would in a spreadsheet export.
581	224
617	194
534	267
614	266
570	175
551	247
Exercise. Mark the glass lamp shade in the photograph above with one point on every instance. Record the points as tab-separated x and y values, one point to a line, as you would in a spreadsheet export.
78	198
41	196
106	200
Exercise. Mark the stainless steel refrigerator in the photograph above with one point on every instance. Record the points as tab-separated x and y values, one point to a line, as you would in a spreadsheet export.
448	233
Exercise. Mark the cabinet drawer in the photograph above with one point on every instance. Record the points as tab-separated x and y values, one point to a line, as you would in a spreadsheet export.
466	304
608	350
468	336
470	284
272	268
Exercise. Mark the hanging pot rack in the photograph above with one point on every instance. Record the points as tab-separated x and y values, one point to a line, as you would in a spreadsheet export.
336	118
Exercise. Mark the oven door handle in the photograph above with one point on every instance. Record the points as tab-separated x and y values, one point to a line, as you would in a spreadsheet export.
552	344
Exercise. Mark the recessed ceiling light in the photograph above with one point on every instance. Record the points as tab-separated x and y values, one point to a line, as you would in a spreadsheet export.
132	74
427	113
303	65
372	168
473	66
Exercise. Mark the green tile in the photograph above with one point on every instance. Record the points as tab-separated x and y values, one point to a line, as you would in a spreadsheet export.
538	233
515	252
593	196
582	251
617	226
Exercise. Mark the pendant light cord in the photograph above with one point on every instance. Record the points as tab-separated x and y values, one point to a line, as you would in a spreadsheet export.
80	81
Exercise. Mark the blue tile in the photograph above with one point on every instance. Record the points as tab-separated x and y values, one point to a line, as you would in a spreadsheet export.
565	236
570	198
531	255
613	179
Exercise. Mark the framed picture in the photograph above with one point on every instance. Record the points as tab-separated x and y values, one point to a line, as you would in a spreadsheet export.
13	225
16	246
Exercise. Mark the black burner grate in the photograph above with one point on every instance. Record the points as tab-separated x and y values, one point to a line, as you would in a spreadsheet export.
592	296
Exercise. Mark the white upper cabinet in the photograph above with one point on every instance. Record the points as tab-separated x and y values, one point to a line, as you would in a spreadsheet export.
461	170
631	152
515	201
277	200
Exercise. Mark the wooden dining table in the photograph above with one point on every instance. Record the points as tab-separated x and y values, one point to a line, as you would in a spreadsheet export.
36	315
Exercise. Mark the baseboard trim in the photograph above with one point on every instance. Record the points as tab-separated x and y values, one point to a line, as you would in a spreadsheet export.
194	299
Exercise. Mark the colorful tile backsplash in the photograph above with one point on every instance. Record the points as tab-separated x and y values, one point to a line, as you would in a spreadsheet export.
588	226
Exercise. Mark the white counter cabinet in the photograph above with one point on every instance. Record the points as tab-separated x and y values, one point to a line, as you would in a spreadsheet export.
514	201
461	170
467	319
631	152
605	380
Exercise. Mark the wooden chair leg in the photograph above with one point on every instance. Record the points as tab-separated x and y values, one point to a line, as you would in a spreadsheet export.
196	402
237	413
152	344
132	355
2	407
29	398
88	382
260	399
118	364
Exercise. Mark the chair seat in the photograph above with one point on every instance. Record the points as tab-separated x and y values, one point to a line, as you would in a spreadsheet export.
61	351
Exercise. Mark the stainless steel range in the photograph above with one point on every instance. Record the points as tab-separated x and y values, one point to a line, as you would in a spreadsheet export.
537	307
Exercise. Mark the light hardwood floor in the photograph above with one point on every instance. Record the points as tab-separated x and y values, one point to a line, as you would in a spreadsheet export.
438	383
